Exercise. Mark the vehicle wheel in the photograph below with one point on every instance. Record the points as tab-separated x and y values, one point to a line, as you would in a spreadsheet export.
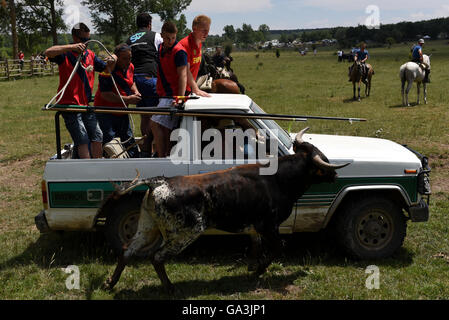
121	223
371	228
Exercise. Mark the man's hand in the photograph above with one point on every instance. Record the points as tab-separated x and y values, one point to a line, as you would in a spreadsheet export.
201	93
132	99
110	63
78	47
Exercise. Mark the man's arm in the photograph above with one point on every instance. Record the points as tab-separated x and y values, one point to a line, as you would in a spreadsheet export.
58	50
182	80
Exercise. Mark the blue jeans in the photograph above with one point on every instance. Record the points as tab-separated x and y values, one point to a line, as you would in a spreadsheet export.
118	126
147	88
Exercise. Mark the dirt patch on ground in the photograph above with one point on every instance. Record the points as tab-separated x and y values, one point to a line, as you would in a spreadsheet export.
17	174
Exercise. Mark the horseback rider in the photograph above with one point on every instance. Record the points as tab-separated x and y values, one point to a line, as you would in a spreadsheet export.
362	56
417	57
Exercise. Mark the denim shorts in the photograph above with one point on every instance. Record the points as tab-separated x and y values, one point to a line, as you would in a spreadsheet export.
169	122
83	127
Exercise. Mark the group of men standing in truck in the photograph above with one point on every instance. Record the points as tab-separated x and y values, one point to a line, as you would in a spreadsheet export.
150	69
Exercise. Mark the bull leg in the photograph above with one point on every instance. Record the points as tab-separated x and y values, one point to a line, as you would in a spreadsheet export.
272	243
144	236
171	248
255	251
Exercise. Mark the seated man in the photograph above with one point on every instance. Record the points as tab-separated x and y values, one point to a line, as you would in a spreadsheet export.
361	55
117	125
218	58
172	75
418	58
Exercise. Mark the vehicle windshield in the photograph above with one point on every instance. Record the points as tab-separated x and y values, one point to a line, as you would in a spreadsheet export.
282	135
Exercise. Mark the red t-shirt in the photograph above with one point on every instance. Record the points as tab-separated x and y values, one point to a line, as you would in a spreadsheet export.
79	91
169	61
124	79
193	55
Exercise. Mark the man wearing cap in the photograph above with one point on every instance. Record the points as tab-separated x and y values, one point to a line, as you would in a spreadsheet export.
117	125
418	58
83	127
144	45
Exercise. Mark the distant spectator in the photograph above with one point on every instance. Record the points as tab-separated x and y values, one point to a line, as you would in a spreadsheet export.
21	56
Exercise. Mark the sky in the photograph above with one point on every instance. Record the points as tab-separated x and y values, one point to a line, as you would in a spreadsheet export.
293	14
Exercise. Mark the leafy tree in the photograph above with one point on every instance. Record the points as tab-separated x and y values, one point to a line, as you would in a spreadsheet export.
265	30
181	24
15	39
43	15
168	9
246	34
229	32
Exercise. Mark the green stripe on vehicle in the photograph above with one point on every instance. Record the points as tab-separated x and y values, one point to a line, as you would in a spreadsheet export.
92	194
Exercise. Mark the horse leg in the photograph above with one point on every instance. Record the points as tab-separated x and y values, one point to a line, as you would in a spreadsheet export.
353	90
425	92
409	86
418	87
358	89
402	92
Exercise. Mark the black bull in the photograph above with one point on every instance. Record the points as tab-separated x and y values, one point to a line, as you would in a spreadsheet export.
176	211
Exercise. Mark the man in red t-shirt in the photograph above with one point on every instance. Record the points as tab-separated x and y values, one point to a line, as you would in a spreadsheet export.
172	81
192	45
83	127
117	125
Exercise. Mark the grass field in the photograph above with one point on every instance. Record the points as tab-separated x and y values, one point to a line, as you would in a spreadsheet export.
31	265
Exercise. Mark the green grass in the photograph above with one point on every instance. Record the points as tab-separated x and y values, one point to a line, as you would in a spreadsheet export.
31	265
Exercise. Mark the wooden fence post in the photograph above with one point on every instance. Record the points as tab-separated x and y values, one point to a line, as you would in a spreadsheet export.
7	68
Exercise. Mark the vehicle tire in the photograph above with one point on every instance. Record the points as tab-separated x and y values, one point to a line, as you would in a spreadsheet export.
121	225
371	228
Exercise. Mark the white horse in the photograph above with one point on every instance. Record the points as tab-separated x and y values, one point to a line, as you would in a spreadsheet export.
412	72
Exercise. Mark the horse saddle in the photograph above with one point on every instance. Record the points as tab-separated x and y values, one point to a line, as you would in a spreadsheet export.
205	82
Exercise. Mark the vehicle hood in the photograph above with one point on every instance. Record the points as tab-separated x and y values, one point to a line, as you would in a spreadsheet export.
368	156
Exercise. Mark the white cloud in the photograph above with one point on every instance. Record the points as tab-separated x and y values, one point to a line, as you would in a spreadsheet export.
228	6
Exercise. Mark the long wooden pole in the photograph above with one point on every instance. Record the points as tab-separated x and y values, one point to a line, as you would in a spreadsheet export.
196	113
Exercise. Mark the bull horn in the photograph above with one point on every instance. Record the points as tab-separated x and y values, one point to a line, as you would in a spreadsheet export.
326	166
300	134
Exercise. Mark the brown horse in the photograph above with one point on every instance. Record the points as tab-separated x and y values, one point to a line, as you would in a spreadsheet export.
356	78
224	86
